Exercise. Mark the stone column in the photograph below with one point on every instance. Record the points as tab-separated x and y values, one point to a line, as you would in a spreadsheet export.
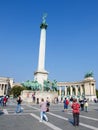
3	86
60	91
41	61
65	91
41	74
81	90
71	93
76	89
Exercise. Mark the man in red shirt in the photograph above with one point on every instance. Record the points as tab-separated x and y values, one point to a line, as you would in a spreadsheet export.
76	111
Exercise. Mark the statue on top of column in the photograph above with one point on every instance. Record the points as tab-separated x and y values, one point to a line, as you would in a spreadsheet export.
89	74
44	18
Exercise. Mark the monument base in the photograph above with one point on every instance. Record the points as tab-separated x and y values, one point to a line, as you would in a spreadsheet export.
90	97
27	95
40	76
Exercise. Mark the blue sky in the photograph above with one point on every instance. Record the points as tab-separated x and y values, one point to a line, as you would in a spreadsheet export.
71	43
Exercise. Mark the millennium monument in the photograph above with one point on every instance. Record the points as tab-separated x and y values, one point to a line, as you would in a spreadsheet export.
81	89
43	88
41	74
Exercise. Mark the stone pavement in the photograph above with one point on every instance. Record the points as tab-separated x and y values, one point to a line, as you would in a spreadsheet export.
58	120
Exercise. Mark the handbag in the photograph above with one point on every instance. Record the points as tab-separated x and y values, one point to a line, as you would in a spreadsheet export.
47	110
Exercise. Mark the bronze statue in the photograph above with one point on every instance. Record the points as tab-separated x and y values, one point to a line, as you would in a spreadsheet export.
44	18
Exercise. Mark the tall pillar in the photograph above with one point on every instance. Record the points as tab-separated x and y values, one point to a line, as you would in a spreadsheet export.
41	74
60	91
81	90
71	91
76	89
65	91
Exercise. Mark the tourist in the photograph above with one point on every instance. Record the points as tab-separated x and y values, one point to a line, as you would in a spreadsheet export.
18	108
43	109
71	100
4	101
82	104
66	103
76	111
86	106
47	103
33	97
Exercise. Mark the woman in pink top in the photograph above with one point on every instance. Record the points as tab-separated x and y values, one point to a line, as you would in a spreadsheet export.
43	109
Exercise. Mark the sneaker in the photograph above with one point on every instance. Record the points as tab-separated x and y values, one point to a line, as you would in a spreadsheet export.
40	121
47	120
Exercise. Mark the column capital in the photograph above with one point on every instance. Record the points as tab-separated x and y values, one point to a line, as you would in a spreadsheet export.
43	25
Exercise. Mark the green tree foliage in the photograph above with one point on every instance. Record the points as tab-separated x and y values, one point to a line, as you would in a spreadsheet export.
16	91
97	93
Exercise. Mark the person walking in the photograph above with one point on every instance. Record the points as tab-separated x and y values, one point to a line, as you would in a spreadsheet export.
82	104
4	101
66	103
43	108
86	106
18	108
47	104
76	111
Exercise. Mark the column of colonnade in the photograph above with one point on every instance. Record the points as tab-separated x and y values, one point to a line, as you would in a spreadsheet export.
78	90
71	92
3	89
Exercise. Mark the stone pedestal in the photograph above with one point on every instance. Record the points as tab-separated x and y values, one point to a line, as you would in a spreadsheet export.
40	76
27	95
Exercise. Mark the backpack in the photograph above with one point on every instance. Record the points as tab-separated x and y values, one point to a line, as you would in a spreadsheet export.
67	102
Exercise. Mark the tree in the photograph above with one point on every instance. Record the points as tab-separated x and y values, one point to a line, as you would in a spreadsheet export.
16	90
97	93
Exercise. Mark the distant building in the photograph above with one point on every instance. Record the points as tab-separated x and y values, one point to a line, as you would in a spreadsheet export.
5	85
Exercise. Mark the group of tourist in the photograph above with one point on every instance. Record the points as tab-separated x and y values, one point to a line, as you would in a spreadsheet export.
76	105
3	100
44	107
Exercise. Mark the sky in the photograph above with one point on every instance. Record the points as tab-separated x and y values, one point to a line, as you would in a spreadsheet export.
71	38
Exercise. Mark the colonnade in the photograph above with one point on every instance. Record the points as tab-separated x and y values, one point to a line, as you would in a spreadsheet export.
83	89
3	89
5	85
71	90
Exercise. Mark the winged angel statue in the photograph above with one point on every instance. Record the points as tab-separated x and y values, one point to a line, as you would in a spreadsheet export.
44	17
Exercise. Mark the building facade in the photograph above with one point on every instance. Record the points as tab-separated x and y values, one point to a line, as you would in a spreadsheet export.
5	85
